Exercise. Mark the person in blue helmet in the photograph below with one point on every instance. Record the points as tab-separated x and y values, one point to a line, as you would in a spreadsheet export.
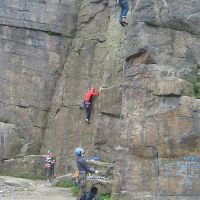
83	170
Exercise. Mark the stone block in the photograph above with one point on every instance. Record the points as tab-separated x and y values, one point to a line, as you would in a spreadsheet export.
104	186
27	167
105	137
180	176
110	101
104	169
10	141
172	87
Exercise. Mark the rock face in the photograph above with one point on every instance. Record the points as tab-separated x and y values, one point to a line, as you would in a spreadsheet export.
31	166
53	15
10	141
158	148
92	53
34	41
146	119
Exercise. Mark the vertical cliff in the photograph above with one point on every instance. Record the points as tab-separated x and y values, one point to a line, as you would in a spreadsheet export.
35	37
94	60
146	119
158	151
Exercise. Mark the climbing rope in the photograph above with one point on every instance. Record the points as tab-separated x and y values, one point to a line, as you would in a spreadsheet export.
121	107
139	28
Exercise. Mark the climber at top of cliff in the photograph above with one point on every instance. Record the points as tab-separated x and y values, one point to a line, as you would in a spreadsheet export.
87	102
123	4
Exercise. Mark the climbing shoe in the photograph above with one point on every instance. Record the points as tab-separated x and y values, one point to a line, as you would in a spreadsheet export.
121	23
48	180
87	120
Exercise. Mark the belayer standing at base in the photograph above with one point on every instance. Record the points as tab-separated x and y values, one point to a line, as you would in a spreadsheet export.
87	102
83	170
50	162
123	4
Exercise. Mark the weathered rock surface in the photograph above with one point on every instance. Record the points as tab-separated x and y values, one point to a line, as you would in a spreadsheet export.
10	141
158	135
34	42
110	101
84	68
146	122
158	148
52	15
31	166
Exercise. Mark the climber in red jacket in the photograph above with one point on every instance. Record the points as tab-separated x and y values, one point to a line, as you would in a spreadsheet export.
87	102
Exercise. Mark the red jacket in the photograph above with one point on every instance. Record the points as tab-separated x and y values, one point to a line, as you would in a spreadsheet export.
89	94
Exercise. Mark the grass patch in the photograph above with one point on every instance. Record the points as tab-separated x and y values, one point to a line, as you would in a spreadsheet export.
53	33
24	176
104	197
68	184
4	120
196	87
31	177
24	189
64	184
74	190
34	178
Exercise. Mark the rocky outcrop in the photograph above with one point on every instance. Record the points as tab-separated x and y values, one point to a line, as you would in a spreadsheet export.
31	166
10	141
158	148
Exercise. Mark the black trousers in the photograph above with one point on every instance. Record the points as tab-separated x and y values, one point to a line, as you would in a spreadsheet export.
82	185
87	107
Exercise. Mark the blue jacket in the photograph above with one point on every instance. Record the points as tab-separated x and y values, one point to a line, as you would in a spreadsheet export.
82	165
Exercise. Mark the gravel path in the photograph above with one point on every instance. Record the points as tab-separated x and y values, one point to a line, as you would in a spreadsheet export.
22	189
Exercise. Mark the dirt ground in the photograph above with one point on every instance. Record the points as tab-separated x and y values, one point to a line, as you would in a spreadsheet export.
22	189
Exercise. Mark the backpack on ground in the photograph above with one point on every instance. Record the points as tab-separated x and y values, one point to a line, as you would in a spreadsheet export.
90	195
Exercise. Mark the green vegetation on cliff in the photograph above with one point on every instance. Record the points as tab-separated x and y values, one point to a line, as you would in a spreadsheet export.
196	87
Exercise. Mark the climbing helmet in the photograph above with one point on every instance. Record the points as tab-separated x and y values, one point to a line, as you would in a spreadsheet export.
78	151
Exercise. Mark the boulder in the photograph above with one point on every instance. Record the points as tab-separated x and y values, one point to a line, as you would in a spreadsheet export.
27	167
10	141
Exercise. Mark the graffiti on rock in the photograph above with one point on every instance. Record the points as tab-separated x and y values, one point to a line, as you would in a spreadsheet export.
187	169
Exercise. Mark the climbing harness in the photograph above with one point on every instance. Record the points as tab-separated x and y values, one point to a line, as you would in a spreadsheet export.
86	104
